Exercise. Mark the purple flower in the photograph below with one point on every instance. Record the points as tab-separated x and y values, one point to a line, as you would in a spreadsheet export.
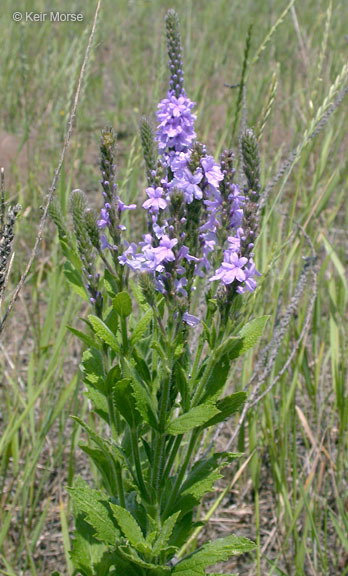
159	230
213	205
178	162
236	206
190	319
147	241
176	122
212	171
131	258
180	286
104	220
155	201
184	253
164	252
104	242
122	206
250	273
230	269
233	243
188	183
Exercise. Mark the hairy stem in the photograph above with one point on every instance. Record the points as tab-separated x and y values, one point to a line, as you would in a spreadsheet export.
181	475
116	465
136	460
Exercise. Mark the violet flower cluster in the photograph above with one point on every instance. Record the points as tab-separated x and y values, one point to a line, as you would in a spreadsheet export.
194	207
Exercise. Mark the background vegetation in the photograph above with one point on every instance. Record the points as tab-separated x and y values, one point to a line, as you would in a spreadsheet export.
292	496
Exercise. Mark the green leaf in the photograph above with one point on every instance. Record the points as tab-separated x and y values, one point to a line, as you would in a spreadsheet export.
144	405
103	332
183	529
217	379
112	320
179	350
70	254
110	283
130	528
138	295
247	337
201	480
96	510
122	304
101	462
87	552
141	327
195	417
92	367
198	489
133	558
166	532
98	400
204	467
98	440
75	280
124	401
88	340
227	346
212	553
112	377
227	406
141	368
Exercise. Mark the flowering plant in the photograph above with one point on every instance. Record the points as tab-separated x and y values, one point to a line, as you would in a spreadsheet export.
166	326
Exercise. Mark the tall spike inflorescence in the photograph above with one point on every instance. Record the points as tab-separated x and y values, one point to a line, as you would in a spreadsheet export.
149	149
196	222
252	188
6	242
174	53
87	254
108	215
111	213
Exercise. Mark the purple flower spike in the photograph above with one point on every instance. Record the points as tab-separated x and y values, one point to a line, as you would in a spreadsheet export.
176	123
155	202
190	319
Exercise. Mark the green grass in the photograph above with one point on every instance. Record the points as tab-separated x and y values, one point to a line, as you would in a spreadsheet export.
299	431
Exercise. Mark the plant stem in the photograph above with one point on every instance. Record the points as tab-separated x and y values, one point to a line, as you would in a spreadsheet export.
160	439
180	477
116	465
124	334
173	454
137	463
201	385
197	357
210	365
